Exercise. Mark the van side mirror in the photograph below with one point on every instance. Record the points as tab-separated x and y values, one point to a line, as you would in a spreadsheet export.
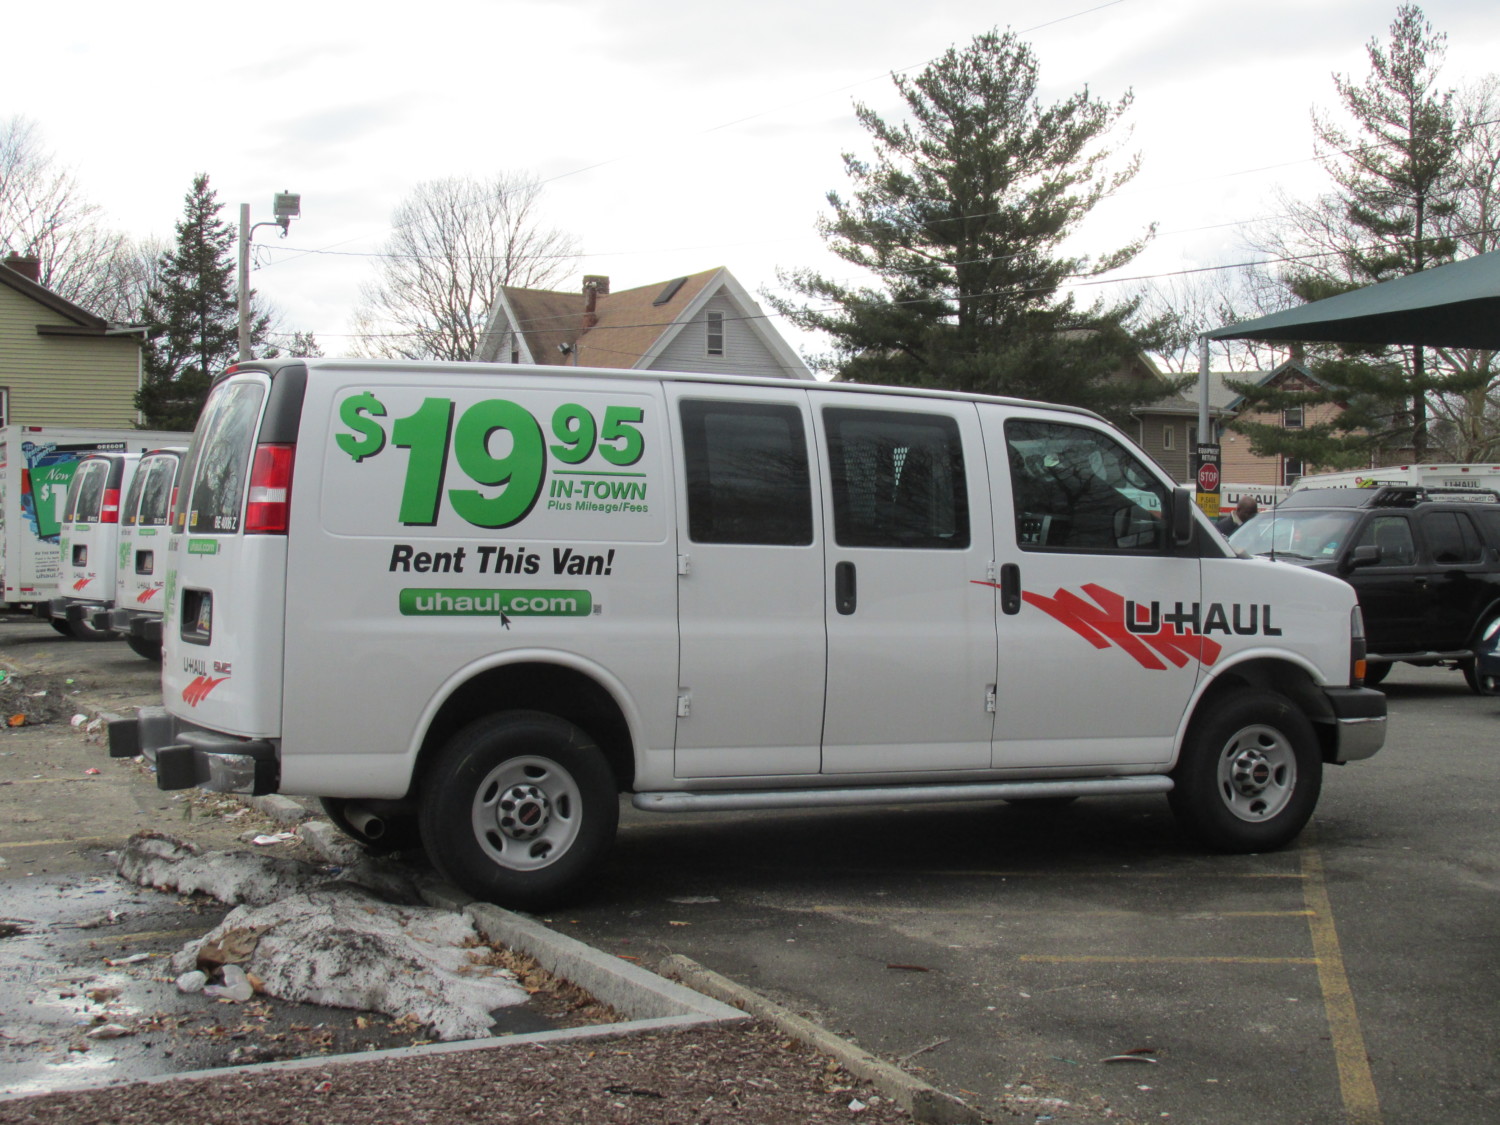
1184	526
1368	555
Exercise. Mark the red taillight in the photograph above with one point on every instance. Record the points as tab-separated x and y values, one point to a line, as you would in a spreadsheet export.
109	510
270	501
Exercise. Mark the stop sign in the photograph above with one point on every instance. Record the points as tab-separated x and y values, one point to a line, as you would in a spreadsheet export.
1208	478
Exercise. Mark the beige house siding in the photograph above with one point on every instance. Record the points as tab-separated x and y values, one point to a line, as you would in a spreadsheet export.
1174	453
64	380
744	353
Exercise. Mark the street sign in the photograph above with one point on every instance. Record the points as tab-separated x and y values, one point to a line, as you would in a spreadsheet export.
1206	473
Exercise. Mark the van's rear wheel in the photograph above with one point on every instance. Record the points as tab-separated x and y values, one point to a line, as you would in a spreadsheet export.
151	650
1250	773
519	809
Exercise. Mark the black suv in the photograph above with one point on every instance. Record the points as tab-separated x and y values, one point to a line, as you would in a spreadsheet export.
1425	563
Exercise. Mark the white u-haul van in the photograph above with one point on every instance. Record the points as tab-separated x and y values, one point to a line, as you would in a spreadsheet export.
479	602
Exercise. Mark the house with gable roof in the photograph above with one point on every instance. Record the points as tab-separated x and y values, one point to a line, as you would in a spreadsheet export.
1169	427
703	322
59	364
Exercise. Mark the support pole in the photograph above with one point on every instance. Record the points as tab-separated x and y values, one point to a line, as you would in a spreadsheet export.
244	297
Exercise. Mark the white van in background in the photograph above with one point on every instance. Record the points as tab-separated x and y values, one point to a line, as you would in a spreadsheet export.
475	603
1466	477
89	542
141	562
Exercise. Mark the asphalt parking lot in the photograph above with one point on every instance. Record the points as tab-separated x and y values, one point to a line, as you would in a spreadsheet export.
1353	978
1009	951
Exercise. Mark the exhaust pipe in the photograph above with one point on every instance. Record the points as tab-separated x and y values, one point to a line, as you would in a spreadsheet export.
367	824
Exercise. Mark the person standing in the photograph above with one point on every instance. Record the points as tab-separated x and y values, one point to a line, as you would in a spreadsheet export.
1244	511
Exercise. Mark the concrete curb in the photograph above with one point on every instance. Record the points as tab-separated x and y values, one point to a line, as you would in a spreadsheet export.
925	1103
652	1000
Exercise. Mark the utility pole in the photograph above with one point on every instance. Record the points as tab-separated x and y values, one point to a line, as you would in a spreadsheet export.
286	206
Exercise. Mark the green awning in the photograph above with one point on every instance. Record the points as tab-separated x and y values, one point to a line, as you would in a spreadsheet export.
1454	306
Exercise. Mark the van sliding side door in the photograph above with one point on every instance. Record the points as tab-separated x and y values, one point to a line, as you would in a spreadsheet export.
911	624
750	583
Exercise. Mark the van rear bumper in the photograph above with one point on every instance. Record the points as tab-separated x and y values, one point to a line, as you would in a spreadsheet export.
1359	723
186	755
131	622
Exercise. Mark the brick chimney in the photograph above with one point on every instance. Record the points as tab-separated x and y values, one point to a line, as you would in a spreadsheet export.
29	267
594	287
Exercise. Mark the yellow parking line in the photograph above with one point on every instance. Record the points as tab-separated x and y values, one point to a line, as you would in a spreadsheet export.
1006	912
1361	1103
1101	960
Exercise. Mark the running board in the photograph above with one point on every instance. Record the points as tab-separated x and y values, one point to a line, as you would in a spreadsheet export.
720	801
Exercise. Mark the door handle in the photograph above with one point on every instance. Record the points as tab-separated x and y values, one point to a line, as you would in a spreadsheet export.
1010	588
844	592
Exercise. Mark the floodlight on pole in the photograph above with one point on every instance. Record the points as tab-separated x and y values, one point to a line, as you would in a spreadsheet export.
286	206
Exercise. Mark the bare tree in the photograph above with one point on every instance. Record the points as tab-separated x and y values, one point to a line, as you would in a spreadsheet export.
1192	304
455	242
43	214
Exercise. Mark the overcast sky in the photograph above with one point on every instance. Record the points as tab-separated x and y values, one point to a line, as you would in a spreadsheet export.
672	135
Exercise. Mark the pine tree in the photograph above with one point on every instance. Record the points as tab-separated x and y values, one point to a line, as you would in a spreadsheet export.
960	215
1396	182
192	315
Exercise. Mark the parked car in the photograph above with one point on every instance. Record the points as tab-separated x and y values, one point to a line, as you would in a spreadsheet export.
1425	563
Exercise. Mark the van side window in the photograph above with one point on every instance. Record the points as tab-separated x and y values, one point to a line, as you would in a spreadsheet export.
1076	489
220	457
747	473
898	479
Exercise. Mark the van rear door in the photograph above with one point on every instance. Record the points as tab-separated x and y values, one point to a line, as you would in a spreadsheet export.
145	519
224	625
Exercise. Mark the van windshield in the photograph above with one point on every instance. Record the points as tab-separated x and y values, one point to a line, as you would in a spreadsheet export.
212	497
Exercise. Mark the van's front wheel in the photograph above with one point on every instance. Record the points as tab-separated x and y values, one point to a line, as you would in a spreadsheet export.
1250	773
519	809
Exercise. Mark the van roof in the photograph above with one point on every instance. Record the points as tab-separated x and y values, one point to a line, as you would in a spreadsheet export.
274	366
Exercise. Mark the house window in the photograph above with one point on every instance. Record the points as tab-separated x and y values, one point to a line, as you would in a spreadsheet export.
1169	437
1291	417
4	406
1291	469
715	333
1192	438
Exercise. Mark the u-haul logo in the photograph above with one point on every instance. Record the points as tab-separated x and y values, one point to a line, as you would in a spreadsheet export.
197	691
1148	631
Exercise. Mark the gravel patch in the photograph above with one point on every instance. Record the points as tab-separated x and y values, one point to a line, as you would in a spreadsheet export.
745	1072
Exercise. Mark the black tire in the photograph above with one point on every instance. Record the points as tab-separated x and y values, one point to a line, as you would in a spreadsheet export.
519	809
1249	775
150	650
61	626
398	833
1471	675
1375	673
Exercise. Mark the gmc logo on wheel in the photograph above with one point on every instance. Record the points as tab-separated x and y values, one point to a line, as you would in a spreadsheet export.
197	691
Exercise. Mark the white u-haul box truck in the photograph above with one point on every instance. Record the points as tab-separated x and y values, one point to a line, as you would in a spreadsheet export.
476	603
36	467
